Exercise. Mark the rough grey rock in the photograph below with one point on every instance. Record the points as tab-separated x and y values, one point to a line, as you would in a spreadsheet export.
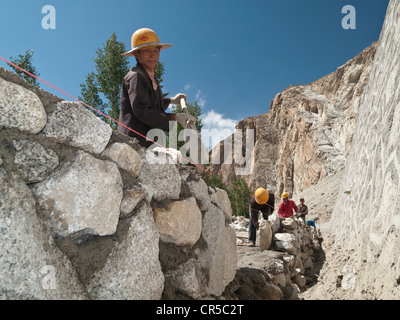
199	190
265	236
31	265
221	254
83	195
285	242
125	157
130	200
186	278
180	223
48	100
253	284
20	108
132	270
168	155
220	198
289	223
230	256
34	162
300	280
275	222
76	126
163	178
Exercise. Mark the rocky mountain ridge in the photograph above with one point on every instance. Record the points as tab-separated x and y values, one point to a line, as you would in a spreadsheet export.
307	133
336	142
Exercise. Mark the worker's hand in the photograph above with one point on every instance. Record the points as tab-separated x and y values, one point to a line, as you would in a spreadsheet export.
184	119
178	97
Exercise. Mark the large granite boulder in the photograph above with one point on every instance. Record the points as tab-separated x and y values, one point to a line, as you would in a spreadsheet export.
83	195
76	126
20	108
181	223
31	265
132	270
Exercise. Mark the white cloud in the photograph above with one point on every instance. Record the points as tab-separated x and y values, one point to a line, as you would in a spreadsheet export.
201	101
213	119
216	128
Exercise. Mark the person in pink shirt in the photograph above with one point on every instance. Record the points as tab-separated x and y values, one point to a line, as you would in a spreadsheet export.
287	206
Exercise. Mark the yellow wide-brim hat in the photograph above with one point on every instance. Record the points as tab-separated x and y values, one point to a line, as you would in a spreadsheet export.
144	38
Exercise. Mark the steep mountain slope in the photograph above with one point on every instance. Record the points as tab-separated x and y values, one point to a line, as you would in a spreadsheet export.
305	136
366	222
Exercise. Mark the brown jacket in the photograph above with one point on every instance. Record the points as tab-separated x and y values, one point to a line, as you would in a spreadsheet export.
267	209
142	107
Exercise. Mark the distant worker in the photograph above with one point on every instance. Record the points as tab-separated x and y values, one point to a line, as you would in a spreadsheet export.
303	210
287	206
142	102
311	224
263	201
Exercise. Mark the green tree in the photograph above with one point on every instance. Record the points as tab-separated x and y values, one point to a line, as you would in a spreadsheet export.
102	87
25	61
240	198
215	181
192	109
239	194
159	71
90	94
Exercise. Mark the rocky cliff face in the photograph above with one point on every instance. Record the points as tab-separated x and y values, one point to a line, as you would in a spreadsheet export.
343	132
307	133
366	222
86	213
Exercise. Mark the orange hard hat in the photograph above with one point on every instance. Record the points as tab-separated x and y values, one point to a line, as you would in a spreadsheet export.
144	38
261	196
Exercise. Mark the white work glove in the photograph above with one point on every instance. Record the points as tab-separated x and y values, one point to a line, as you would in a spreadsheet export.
184	119
177	99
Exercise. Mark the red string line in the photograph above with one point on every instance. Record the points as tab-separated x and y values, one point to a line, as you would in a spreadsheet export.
107	116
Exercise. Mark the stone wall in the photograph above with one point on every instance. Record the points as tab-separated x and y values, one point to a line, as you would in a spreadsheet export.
285	264
366	222
86	213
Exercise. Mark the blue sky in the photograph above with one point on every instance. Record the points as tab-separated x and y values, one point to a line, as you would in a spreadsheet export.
234	56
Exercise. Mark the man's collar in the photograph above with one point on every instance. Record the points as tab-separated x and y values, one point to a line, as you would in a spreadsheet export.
138	65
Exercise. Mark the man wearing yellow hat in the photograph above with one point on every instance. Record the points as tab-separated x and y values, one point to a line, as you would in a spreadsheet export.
287	206
263	201
142	103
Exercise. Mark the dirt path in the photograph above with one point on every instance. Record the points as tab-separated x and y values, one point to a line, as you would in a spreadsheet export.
320	199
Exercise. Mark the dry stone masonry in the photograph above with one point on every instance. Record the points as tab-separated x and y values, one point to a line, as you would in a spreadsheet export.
283	265
86	213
